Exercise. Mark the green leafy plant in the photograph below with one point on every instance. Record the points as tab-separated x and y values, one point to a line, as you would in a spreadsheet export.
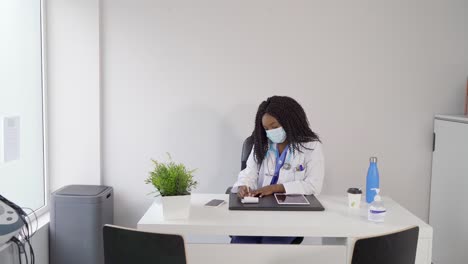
170	178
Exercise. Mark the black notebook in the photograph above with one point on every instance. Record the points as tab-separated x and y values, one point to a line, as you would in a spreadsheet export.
269	203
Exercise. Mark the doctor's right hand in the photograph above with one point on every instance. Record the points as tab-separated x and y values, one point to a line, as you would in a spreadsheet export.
243	191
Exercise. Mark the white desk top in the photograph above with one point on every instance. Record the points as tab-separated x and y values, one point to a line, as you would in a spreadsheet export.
336	221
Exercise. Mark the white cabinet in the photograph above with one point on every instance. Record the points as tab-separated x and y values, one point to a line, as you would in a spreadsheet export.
448	213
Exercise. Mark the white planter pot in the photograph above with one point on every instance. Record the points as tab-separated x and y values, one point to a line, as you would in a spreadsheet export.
176	207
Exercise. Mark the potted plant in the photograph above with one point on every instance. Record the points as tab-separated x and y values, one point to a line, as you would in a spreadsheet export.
174	183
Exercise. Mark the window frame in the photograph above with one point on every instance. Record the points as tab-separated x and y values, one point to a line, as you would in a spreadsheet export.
45	172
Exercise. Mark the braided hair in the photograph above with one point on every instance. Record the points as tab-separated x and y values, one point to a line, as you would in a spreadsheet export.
292	118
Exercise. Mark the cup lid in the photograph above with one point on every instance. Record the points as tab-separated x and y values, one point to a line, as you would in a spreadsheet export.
354	191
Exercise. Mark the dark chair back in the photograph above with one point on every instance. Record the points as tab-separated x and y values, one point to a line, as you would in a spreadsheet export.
125	246
246	149
393	248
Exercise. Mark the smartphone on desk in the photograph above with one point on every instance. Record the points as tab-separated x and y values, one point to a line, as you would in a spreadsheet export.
215	203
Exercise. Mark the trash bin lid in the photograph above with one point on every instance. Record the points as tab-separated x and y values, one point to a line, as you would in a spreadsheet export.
82	190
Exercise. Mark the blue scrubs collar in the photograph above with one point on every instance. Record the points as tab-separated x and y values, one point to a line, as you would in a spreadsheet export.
280	161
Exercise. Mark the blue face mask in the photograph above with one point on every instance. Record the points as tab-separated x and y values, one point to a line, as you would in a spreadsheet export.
277	135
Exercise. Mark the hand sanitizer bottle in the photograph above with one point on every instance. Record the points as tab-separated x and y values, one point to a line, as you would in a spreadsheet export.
377	209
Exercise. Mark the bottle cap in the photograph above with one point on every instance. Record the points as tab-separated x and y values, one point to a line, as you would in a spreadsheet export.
354	191
373	159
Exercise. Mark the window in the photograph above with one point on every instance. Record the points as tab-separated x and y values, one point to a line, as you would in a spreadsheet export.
22	151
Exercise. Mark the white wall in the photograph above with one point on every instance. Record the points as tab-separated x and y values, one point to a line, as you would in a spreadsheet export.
186	77
72	32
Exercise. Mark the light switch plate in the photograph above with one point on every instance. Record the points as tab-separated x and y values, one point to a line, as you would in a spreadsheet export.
10	146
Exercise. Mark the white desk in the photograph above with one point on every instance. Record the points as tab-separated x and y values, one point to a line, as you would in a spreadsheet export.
337	221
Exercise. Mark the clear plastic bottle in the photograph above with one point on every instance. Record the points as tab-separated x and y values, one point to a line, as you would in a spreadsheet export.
377	210
372	180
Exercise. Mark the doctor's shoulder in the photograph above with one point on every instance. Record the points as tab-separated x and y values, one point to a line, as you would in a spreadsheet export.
312	150
311	146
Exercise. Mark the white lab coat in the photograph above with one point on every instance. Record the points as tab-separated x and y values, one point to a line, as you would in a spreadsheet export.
308	181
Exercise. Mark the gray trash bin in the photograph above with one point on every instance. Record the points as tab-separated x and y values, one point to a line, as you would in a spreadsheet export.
78	213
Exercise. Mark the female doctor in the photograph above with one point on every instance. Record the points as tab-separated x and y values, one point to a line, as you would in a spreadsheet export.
286	158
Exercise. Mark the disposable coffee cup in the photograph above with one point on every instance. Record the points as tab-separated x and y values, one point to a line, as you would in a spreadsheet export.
354	197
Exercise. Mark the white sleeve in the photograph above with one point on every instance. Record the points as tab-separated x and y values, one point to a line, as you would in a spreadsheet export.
314	173
249	175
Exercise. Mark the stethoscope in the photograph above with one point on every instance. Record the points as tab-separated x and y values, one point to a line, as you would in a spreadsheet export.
287	162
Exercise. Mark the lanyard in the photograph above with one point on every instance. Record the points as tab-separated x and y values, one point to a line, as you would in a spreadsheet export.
279	164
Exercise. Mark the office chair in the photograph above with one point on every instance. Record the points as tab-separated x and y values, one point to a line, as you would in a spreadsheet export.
399	247
124	246
246	149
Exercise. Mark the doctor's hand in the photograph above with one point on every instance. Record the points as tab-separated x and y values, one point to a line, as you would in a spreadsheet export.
243	191
269	190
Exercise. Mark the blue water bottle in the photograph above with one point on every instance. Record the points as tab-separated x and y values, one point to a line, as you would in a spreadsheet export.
372	180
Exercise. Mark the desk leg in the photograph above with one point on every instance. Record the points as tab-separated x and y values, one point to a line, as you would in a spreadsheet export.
341	241
350	241
424	251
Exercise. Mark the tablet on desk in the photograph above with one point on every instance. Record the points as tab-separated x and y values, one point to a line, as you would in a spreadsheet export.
282	198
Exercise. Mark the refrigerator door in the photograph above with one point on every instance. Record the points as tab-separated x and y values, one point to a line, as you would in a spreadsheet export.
449	189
